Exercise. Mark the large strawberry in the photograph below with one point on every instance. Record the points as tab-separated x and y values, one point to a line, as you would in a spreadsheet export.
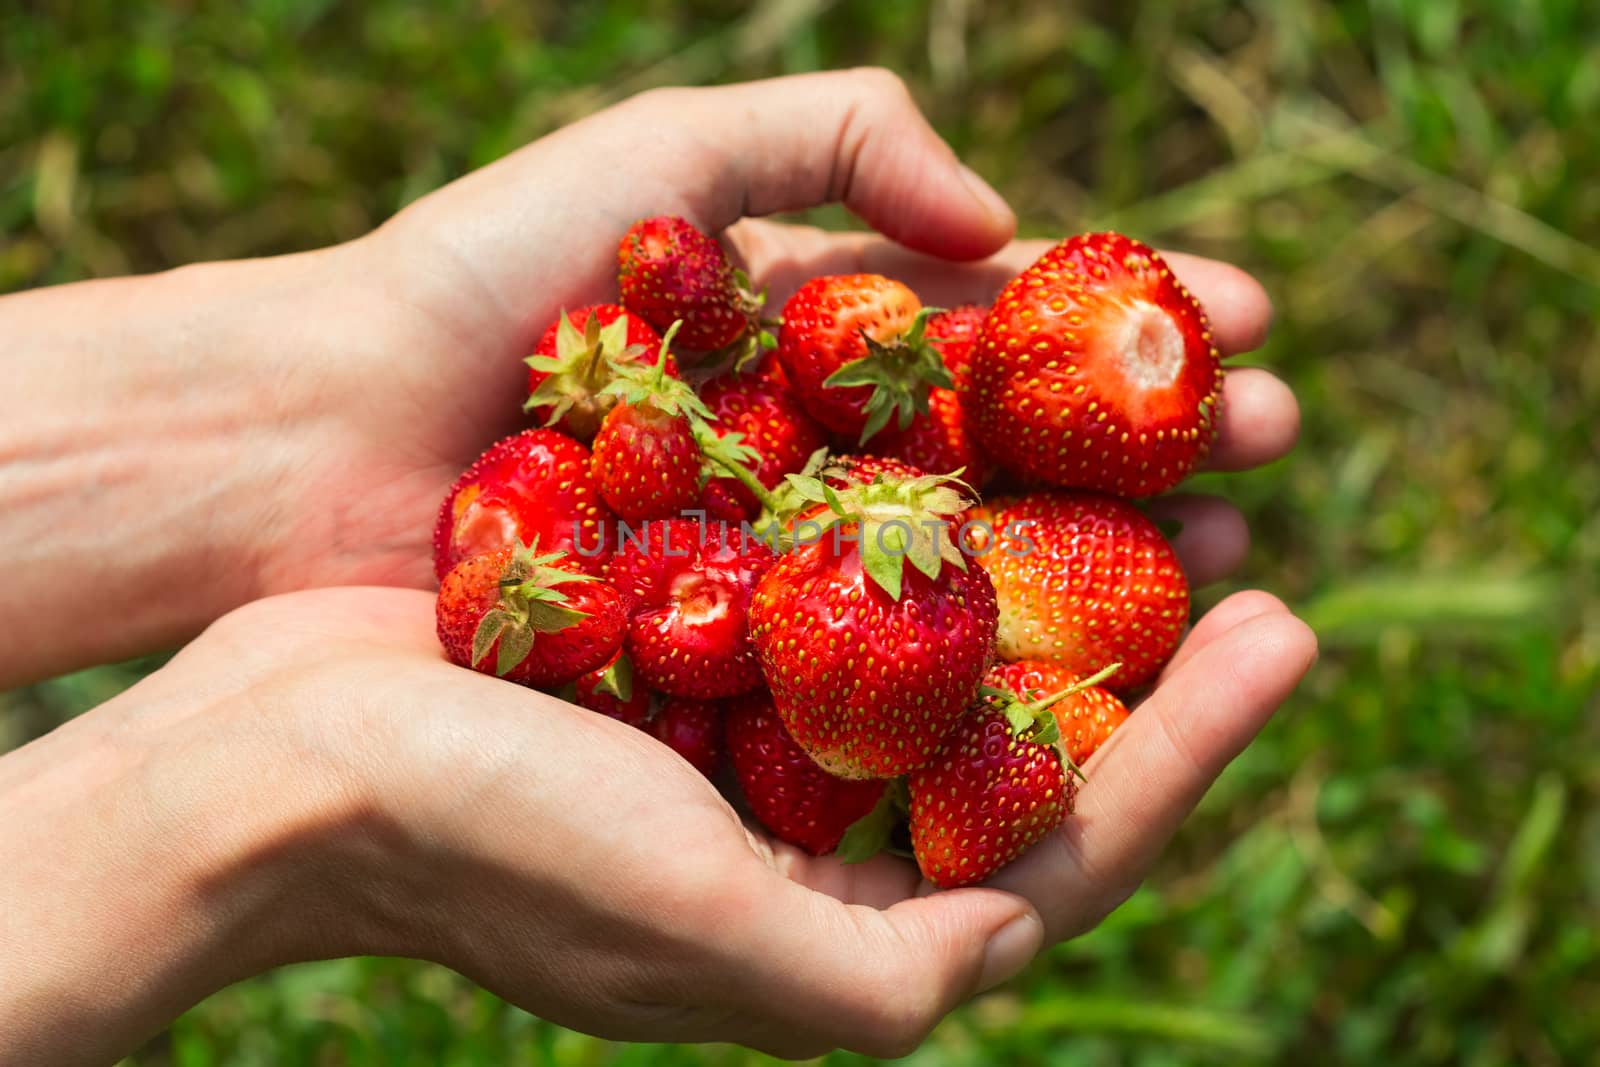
1001	781
787	792
875	633
573	363
535	619
648	454
692	729
669	271
532	486
1083	580
1096	369
1085	717
855	350
771	422
688	588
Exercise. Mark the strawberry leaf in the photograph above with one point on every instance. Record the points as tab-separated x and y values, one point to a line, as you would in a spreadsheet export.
515	644
618	679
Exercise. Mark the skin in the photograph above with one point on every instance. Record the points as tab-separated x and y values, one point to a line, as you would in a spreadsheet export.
221	445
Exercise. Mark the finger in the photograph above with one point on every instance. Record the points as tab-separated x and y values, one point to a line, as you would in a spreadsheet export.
827	975
1212	539
1155	768
1260	421
784	257
1232	611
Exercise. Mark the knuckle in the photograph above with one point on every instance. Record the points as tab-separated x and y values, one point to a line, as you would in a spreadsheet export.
883	83
899	1012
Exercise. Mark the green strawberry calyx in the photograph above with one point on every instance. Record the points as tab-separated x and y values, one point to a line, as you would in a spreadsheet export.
869	835
895	521
1033	720
531	603
900	371
577	375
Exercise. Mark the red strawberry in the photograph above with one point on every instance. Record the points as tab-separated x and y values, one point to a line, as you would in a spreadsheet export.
688	590
771	422
870	660
788	793
855	350
719	502
572	365
937	441
610	691
996	787
1082	580
668	271
1086	718
649	451
532	486
692	729
953	333
1095	369
535	619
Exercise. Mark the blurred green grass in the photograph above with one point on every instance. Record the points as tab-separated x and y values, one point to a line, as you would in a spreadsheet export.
1406	868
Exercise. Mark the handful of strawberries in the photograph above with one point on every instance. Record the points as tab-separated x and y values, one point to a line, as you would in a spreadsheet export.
771	550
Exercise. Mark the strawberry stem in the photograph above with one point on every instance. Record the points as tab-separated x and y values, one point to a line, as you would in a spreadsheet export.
708	441
1046	703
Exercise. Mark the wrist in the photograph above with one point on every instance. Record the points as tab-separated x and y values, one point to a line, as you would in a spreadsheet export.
162	847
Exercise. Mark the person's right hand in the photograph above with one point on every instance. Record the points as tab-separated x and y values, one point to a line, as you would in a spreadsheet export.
310	778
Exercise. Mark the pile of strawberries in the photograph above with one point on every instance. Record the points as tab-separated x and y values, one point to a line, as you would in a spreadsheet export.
769	550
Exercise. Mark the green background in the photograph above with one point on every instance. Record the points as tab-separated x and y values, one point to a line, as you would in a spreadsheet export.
1406	867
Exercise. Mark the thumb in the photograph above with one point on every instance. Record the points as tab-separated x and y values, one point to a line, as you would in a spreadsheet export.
854	137
833	975
540	226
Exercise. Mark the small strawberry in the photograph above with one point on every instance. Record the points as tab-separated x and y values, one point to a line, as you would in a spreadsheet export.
572	365
1082	580
1096	370
687	588
856	353
719	502
651	447
952	333
937	441
532	486
788	793
999	784
670	271
610	691
1086	718
530	618
692	729
771	422
870	660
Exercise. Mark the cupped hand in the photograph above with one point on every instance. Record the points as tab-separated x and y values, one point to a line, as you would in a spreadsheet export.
584	871
434	311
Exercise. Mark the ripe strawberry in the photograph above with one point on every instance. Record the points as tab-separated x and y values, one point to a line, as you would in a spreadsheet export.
1096	370
572	364
788	793
1082	580
692	729
1086	718
953	333
773	425
719	502
530	618
651	447
997	786
855	350
687	588
610	691
869	660
937	441
532	486
670	271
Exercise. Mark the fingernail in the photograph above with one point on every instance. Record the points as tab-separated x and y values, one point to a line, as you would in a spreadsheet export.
1010	949
992	202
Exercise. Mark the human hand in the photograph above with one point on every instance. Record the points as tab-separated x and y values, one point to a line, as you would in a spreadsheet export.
310	778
